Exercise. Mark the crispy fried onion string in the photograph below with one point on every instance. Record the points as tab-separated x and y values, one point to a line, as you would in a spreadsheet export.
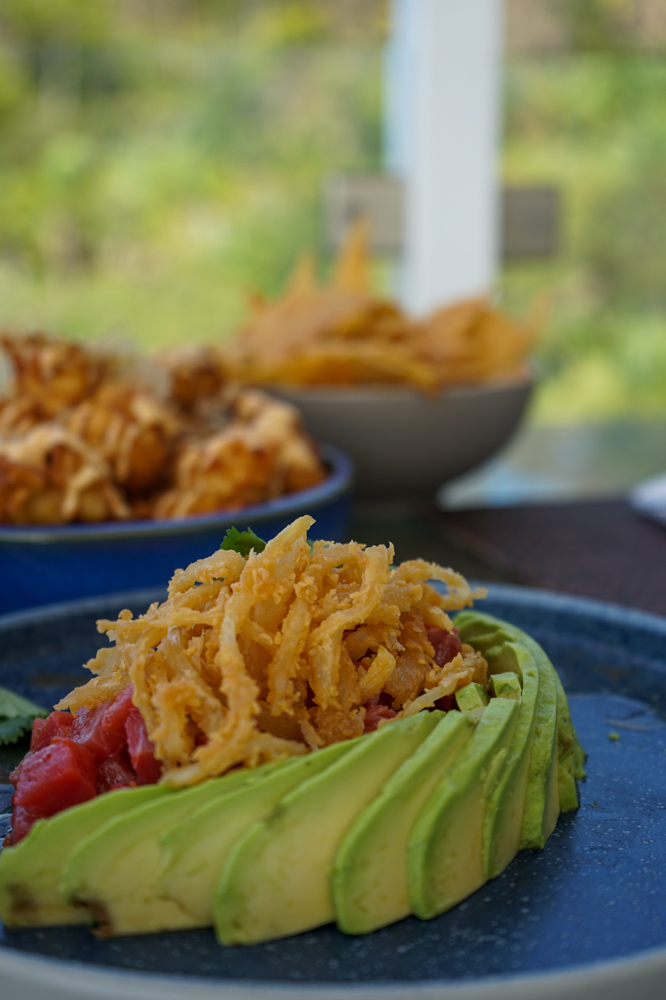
265	657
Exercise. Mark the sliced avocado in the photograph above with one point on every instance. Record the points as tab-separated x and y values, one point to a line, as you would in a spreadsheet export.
196	849
571	756
483	629
542	802
30	872
276	881
111	872
505	813
506	685
471	697
369	878
445	850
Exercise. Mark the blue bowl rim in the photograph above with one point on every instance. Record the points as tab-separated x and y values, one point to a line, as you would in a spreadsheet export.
337	484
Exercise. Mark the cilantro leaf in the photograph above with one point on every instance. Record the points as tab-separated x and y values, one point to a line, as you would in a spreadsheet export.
12	729
14	706
16	716
242	541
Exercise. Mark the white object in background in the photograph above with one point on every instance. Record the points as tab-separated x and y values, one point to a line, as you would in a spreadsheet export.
442	131
649	498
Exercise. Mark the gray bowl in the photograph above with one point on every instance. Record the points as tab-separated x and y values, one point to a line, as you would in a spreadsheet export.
405	444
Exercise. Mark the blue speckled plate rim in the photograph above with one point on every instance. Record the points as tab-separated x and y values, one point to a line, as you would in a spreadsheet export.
303	501
643	974
87	605
609	979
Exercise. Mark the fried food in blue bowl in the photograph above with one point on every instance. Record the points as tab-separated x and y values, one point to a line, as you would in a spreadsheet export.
111	473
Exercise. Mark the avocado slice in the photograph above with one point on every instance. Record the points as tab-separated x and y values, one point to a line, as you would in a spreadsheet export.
445	850
30	871
506	685
196	849
111	872
485	630
369	877
571	756
276	881
503	825
490	635
471	697
542	802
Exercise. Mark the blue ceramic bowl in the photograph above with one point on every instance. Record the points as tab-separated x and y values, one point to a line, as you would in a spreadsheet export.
43	565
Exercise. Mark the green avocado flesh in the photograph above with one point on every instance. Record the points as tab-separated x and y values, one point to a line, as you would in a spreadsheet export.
196	849
506	686
445	850
30	871
556	756
470	697
277	878
369	879
411	818
505	815
112	871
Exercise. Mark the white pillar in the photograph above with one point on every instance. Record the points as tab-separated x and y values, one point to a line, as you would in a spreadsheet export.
442	134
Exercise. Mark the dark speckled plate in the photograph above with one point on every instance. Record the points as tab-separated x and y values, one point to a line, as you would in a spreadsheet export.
584	918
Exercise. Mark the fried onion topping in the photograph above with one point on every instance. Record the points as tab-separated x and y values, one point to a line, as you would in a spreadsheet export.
258	658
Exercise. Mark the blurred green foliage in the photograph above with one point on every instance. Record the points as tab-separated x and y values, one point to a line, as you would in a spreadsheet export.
593	124
159	161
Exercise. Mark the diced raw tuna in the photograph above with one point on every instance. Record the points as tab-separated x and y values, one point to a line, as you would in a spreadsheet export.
57	724
375	710
117	711
141	750
48	780
102	729
71	759
22	820
116	772
447	645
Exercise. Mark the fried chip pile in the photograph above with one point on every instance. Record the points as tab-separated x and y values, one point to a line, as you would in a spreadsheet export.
83	437
342	334
259	658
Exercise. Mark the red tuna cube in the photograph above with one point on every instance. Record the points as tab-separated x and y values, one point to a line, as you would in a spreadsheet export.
116	772
102	729
141	750
57	724
54	778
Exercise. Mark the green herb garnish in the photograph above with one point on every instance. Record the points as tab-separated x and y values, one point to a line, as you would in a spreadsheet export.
12	730
17	715
243	541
